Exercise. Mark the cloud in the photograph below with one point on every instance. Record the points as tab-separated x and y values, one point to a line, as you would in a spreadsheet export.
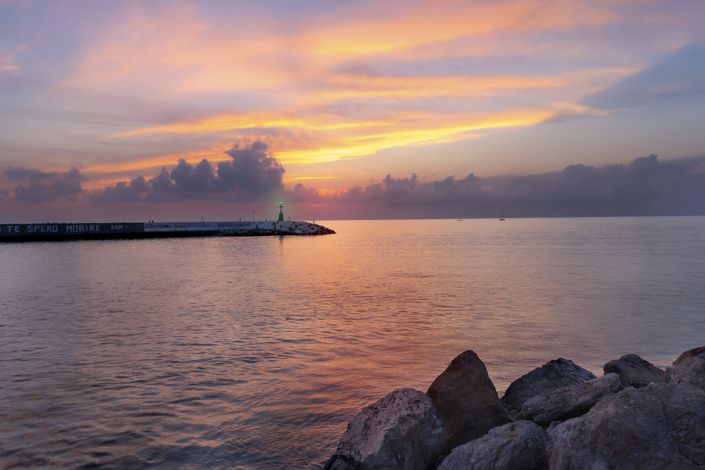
650	167
252	170
645	187
38	186
177	49
188	181
302	194
322	86
411	192
7	60
134	191
320	134
679	78
251	173
330	81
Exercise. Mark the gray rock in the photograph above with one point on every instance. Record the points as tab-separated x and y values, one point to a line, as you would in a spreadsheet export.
520	445
638	372
551	376
690	371
570	402
658	427
688	354
398	432
466	401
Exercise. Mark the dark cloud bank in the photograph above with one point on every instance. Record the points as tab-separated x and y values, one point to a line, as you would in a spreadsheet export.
677	79
38	186
644	187
251	174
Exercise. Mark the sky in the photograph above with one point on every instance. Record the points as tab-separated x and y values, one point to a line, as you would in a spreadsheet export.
176	110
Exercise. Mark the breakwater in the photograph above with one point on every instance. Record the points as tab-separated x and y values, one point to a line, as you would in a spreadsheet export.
557	417
132	230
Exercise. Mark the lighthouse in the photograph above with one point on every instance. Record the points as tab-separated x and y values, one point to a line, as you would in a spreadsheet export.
281	213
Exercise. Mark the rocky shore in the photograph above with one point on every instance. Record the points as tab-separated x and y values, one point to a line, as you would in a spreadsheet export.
296	228
558	417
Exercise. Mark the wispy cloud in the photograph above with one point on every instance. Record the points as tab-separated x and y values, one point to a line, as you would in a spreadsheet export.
679	78
325	136
134	87
7	61
314	100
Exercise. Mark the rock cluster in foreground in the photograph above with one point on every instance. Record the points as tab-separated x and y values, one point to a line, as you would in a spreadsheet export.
558	417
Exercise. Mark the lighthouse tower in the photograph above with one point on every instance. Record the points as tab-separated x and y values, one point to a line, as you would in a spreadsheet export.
281	214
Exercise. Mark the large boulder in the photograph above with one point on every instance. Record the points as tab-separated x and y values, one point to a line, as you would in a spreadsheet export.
520	445
570	402
690	371
398	432
466	401
551	376
658	427
688	354
638	372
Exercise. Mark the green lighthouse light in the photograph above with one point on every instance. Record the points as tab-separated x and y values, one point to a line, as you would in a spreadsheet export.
281	214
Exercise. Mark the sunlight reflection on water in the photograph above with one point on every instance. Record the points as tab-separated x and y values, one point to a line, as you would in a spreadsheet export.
254	353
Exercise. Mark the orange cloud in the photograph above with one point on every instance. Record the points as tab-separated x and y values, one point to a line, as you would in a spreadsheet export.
310	139
361	86
290	85
215	154
327	191
172	51
99	183
308	178
433	21
248	121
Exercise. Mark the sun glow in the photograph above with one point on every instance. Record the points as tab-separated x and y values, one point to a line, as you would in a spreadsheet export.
311	139
304	97
337	83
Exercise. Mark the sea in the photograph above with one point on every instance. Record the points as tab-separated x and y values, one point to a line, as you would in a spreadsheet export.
255	353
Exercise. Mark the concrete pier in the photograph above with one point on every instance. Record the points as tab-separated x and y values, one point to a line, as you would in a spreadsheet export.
131	230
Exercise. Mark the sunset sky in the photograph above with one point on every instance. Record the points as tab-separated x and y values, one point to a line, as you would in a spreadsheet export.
108	109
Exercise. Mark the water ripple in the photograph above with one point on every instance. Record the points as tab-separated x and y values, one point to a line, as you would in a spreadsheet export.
255	353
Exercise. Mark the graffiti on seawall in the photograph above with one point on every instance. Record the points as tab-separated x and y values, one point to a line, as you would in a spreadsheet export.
68	229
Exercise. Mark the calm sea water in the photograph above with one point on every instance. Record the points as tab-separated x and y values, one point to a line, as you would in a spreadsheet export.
254	353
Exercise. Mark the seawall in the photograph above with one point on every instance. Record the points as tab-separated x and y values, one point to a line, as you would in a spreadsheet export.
132	230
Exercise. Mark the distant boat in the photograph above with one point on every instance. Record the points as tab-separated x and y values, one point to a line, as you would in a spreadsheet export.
502	218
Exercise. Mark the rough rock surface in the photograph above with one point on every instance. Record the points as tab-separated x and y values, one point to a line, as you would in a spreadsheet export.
520	445
307	228
398	432
688	354
638	372
690	371
552	375
570	402
466	401
658	427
